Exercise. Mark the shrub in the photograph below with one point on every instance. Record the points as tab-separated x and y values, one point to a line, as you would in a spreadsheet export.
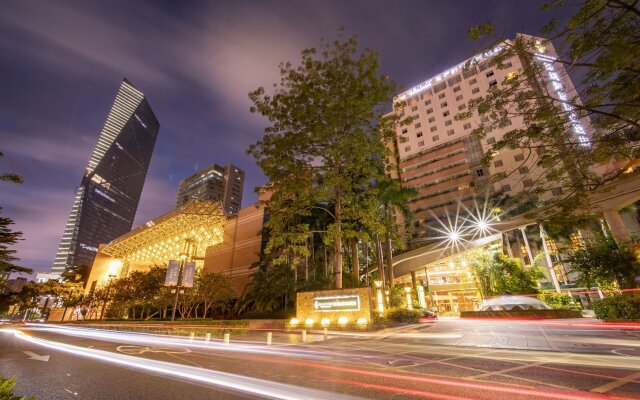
6	390
403	315
560	301
619	307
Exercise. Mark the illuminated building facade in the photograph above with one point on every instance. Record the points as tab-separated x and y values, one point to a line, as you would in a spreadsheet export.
216	183
437	155
105	204
186	231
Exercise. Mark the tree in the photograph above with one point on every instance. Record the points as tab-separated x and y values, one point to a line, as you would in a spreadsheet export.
9	237
599	45
495	274
603	262
326	132
70	295
213	290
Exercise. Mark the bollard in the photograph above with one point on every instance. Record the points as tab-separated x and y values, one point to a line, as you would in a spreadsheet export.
226	338
326	335
192	335
304	336
269	336
207	337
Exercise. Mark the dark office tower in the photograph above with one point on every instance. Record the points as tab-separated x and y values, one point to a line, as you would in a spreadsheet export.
216	183
107	199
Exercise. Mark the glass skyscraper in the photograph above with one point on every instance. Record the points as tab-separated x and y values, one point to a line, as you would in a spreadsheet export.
105	204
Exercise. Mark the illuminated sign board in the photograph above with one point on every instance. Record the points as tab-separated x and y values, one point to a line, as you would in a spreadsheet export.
337	303
451	71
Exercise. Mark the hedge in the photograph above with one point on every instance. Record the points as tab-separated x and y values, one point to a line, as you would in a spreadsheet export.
619	307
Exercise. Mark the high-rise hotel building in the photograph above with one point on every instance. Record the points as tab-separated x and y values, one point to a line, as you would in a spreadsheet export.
224	184
441	159
105	204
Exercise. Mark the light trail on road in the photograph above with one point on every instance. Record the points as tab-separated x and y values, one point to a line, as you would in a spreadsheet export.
226	380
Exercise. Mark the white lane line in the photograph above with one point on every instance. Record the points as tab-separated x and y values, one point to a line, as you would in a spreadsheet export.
617	383
240	383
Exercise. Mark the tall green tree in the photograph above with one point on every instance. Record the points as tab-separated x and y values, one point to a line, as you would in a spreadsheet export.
9	237
494	273
599	45
327	129
603	262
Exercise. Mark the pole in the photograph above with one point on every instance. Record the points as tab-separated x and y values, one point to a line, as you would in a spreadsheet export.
175	300
552	272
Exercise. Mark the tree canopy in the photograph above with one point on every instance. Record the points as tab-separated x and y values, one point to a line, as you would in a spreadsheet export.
324	148
9	237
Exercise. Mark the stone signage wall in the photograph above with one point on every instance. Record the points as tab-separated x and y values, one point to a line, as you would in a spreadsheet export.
354	303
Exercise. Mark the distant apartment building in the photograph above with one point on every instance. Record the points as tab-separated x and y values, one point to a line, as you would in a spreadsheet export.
439	157
106	201
216	183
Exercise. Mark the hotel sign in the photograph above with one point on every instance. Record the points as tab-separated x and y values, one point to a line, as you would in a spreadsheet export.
337	303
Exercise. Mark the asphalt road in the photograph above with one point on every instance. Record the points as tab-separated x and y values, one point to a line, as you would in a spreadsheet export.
448	359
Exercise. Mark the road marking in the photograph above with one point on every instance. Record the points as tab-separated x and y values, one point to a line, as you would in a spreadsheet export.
133	349
617	383
73	393
34	356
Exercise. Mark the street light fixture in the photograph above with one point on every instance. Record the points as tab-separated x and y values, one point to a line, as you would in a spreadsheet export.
379	297
407	289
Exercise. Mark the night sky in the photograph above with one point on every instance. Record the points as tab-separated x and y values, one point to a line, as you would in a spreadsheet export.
61	63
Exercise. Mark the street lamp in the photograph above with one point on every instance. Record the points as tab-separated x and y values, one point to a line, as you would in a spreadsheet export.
104	303
407	289
379	297
183	259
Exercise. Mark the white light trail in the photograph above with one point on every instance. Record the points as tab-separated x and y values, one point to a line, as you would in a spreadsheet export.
240	383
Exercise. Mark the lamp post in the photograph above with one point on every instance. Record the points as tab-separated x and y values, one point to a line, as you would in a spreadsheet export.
379	297
183	259
407	289
104	303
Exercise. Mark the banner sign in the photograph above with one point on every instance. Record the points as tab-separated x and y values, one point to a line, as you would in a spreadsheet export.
172	273
337	303
188	273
